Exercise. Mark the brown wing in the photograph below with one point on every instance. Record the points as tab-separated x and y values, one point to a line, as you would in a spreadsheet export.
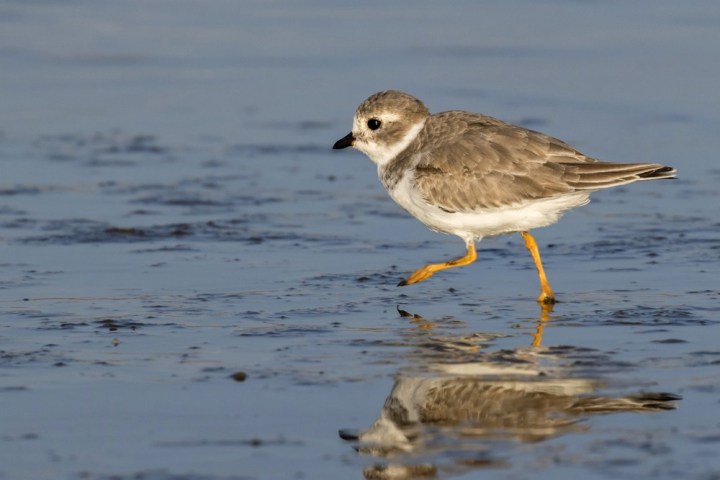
478	162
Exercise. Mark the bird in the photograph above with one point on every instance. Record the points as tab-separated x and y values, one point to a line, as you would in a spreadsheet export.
475	176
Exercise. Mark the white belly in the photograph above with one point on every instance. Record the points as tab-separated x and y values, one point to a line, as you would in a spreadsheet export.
485	222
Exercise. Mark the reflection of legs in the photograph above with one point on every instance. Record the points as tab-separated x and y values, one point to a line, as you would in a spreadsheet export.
545	311
428	270
546	294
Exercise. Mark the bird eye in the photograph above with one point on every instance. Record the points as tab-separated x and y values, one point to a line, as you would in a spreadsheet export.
373	124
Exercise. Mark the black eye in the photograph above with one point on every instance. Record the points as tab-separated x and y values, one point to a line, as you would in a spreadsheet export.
374	124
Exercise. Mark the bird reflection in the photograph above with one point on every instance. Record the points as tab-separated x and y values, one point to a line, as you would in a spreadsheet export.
451	416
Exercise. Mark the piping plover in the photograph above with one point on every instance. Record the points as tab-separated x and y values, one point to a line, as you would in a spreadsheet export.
475	176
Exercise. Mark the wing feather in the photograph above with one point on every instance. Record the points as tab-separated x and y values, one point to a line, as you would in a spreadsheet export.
467	162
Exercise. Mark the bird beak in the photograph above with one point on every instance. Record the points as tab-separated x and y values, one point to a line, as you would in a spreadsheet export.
346	141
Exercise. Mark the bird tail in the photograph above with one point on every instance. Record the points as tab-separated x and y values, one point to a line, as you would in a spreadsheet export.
660	172
599	175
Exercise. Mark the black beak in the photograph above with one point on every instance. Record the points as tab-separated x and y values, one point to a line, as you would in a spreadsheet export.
346	141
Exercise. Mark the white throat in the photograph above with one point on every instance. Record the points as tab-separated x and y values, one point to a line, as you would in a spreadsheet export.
382	154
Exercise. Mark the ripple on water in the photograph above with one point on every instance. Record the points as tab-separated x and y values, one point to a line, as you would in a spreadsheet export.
247	229
650	315
96	146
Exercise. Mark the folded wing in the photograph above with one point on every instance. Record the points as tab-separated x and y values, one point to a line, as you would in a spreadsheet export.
483	163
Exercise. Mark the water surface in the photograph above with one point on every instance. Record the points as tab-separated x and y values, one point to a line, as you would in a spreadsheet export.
195	286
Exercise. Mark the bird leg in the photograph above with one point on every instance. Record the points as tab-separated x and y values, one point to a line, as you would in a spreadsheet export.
546	293
428	270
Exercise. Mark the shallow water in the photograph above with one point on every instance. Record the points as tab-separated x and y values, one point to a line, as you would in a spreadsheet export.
195	286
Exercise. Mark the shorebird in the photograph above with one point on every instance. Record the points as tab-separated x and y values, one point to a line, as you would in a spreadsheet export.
474	176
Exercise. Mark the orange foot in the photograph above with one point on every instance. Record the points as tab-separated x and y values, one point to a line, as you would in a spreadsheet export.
428	270
546	298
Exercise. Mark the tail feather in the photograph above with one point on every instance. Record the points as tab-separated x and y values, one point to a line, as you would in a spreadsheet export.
599	175
662	172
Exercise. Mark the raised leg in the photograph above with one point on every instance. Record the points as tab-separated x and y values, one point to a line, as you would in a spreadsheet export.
428	270
546	293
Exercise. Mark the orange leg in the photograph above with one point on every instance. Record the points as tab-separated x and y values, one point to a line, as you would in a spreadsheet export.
428	270
546	294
